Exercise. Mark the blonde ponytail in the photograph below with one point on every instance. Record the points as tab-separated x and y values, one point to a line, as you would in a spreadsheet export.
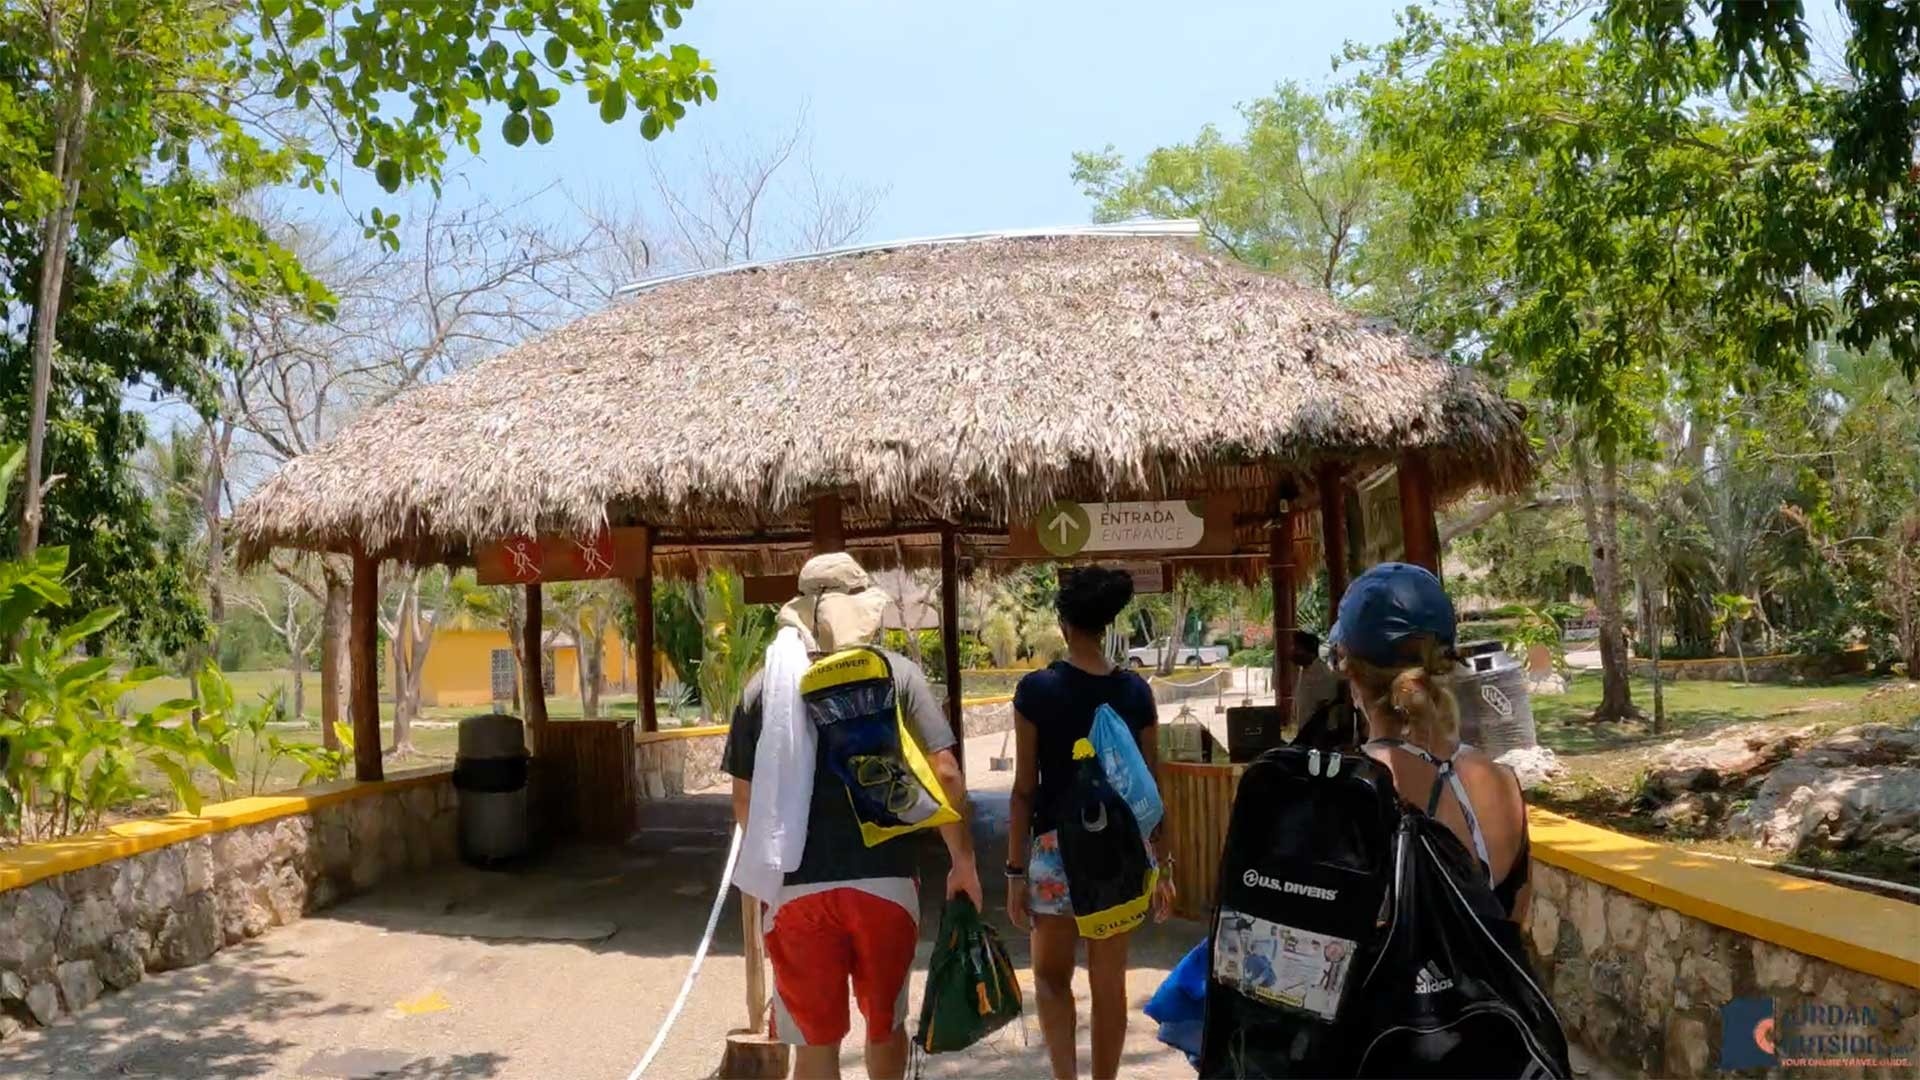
1412	701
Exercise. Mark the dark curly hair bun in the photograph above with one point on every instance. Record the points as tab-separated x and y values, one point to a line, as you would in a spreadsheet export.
1092	596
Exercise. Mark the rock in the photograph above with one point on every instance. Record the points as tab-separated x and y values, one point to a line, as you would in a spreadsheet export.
1805	802
43	1001
1589	915
243	910
286	895
9	1027
79	984
89	922
1656	988
1544	925
190	934
292	839
13	988
1774	967
1687	1046
120	963
1548	684
1725	758
161	888
1691	812
1533	765
418	802
32	917
1704	981
238	852
1627	920
197	864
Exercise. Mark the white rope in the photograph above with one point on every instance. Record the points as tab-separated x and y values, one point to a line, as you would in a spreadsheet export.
699	956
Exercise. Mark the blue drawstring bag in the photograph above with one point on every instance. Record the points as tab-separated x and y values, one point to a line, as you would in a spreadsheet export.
1179	1006
1126	770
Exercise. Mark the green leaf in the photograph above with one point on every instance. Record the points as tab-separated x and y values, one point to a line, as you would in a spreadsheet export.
180	780
712	88
542	127
388	174
88	625
556	51
310	22
614	105
514	129
76	675
650	127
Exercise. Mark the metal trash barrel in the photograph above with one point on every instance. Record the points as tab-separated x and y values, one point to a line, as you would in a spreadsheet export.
490	775
1496	714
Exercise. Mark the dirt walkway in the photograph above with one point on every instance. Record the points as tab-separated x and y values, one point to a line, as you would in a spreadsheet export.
563	968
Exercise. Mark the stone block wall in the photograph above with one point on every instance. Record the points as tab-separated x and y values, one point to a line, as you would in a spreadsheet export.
69	938
1642	985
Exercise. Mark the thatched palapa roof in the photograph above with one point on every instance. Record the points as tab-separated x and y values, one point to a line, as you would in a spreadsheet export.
928	382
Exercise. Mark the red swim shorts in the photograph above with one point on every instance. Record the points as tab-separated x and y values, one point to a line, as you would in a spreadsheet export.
822	941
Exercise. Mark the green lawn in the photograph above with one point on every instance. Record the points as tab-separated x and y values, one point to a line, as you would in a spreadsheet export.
1691	707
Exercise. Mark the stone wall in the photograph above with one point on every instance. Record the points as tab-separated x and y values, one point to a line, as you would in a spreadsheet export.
1642	985
1761	669
672	763
70	937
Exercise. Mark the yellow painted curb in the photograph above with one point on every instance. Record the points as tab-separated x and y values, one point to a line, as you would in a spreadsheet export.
645	737
36	862
1856	930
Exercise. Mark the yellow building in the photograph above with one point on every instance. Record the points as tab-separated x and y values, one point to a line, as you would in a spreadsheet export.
474	667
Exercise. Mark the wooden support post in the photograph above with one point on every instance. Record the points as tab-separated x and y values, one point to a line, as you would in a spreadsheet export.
1417	524
1286	618
756	951
950	637
643	680
364	656
1333	533
829	531
532	667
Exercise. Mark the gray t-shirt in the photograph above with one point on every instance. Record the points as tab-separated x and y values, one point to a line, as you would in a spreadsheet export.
835	851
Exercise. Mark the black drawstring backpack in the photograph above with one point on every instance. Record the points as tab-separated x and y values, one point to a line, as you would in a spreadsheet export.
1109	876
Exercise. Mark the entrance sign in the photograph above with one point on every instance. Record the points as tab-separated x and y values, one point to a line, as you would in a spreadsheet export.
524	560
1065	530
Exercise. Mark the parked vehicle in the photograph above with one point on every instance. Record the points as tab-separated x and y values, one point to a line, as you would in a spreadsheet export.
1148	656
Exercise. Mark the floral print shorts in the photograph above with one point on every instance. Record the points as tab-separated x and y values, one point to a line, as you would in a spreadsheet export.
1047	876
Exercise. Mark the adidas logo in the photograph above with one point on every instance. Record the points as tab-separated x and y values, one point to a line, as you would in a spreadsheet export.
1430	981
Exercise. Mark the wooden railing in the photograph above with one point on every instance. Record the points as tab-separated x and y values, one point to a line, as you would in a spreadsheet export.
587	766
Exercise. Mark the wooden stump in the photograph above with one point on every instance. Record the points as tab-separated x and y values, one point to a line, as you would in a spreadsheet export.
753	1056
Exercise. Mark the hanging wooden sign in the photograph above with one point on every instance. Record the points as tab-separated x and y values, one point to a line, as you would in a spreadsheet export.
524	560
1066	530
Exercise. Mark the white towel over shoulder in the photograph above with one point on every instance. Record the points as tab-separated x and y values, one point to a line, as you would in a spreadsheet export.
782	793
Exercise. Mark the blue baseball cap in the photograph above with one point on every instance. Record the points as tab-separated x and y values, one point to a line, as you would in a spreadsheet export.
1389	604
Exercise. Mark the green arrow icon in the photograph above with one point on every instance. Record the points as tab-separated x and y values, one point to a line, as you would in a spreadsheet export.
1063	528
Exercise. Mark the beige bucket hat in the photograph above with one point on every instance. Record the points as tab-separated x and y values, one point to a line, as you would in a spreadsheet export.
839	606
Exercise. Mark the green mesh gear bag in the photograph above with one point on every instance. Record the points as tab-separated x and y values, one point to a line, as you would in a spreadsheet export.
971	988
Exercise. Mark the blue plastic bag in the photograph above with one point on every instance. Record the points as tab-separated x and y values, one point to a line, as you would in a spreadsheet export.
1179	1006
1126	770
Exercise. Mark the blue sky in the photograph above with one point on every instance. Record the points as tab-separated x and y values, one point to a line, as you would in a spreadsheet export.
966	113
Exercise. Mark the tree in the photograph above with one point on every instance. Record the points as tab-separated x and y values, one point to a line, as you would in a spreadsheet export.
1616	240
1298	192
1730	613
288	607
586	609
131	125
423	602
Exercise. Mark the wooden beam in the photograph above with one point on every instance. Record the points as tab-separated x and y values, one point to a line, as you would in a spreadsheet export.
1418	528
532	667
755	957
829	530
643	680
1333	533
950	638
364	655
1286	618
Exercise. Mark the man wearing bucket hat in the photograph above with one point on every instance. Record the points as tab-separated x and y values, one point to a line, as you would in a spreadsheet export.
839	913
1394	640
